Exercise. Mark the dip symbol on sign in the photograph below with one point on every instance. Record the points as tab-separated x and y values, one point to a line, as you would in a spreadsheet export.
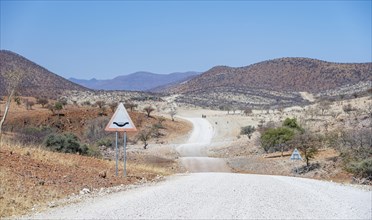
120	124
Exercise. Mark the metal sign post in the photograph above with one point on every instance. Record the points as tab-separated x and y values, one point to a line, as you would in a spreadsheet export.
125	153
121	122
116	153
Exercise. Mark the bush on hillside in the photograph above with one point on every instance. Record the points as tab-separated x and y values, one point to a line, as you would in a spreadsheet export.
362	169
33	135
65	143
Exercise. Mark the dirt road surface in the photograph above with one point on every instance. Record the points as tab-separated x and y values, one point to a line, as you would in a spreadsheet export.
194	153
225	196
216	195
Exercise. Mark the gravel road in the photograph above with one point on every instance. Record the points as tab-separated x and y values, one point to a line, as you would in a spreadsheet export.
216	195
193	153
225	196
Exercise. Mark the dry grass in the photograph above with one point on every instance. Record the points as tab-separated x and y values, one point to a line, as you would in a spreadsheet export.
30	177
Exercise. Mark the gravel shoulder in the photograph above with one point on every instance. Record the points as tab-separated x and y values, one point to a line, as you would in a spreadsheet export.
225	196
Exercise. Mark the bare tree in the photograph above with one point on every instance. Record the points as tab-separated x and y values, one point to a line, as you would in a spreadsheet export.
42	101
113	106
148	110
100	103
247	111
12	81
144	136
29	105
308	144
130	105
347	108
324	106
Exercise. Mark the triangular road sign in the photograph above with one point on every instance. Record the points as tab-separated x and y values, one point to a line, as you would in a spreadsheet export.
120	121
296	155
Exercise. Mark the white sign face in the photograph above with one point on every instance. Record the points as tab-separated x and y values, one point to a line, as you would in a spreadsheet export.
120	121
296	155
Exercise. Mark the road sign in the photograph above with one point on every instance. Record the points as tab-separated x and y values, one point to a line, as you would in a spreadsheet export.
296	155
120	121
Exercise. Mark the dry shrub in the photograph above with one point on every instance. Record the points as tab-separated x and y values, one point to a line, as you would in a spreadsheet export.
33	177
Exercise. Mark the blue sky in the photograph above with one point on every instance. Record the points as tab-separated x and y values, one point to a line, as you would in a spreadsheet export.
103	39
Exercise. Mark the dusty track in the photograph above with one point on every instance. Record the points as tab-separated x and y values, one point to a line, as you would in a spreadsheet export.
193	154
211	195
226	196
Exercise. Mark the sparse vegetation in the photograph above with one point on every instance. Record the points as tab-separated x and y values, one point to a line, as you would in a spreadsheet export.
247	130
33	135
29	104
17	99
247	111
45	176
12	79
65	143
100	103
324	106
355	147
307	143
276	139
42	101
113	106
145	136
347	108
131	106
148	110
173	113
292	123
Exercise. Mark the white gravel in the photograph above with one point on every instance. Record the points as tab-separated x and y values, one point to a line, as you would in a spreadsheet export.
193	154
225	196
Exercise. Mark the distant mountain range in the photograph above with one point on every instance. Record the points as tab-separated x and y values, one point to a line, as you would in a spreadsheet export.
139	81
37	80
275	82
284	74
268	83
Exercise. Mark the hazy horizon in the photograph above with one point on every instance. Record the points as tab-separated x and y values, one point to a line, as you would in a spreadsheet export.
102	40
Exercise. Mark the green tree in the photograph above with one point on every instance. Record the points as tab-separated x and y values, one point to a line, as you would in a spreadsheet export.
247	130
276	138
58	107
292	123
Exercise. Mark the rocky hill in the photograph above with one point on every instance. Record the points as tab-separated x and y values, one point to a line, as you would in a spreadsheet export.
139	81
285	74
37	80
277	81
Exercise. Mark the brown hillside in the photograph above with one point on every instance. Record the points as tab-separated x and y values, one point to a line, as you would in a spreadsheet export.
38	81
284	74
